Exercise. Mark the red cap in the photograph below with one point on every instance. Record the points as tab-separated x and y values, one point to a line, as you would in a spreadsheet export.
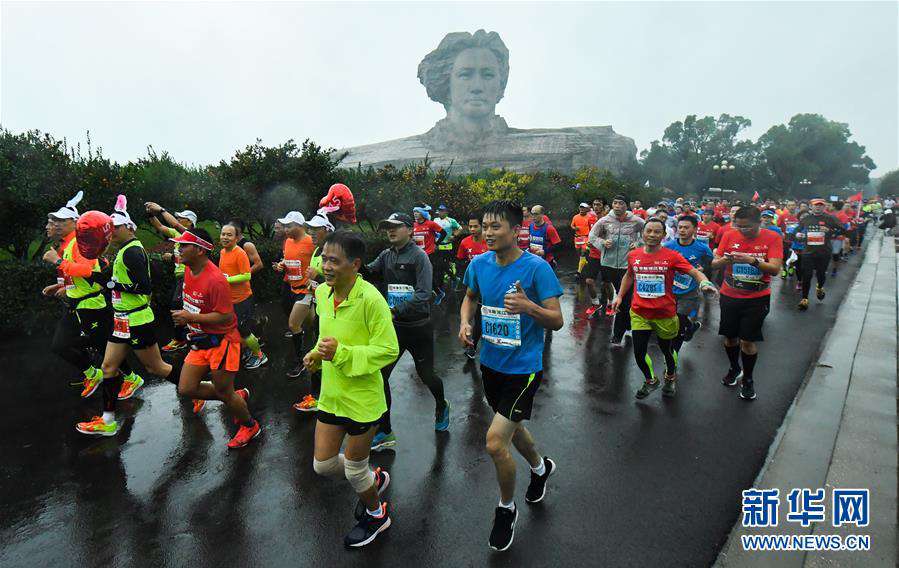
188	238
818	201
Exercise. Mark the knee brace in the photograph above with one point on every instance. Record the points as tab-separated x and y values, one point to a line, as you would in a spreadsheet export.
331	467
359	475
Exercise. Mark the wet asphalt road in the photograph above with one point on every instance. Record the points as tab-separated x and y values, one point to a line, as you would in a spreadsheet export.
655	482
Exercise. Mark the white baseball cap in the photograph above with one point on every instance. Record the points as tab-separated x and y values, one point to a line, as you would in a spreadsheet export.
319	221
584	204
294	217
187	214
69	211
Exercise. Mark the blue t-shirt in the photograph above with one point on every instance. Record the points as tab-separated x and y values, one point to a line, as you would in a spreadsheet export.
695	252
513	343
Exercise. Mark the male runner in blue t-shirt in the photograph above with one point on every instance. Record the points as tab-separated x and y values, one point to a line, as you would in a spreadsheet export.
519	294
686	290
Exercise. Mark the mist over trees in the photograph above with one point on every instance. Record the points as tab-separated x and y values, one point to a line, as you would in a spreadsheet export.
810	147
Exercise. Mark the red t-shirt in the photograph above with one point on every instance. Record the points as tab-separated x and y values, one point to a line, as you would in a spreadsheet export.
846	220
640	213
707	232
653	274
787	222
749	281
209	292
425	235
470	248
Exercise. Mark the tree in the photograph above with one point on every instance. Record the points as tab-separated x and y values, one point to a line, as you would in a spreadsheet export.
684	159
36	178
814	148
889	184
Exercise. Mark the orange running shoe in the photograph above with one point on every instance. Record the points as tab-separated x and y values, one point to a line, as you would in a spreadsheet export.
308	404
199	403
130	385
174	345
244	435
91	383
97	427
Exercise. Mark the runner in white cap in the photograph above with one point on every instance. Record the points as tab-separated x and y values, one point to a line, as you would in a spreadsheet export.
295	297
80	335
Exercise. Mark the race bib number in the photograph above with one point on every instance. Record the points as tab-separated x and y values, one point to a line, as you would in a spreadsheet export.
703	238
419	240
746	273
116	297
683	281
399	293
814	238
650	285
188	307
121	326
293	269
500	328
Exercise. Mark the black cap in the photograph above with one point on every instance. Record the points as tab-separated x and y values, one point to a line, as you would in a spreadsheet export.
397	219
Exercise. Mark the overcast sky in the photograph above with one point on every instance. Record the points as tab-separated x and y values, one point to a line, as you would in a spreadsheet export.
203	79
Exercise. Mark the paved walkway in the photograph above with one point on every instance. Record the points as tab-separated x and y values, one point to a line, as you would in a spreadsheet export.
841	431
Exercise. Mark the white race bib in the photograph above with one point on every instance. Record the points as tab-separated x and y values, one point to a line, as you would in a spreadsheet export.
814	238
500	328
650	285
294	270
188	307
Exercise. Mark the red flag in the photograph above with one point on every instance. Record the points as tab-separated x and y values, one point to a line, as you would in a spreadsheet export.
856	197
755	196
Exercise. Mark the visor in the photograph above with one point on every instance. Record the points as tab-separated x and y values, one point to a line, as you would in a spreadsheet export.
188	238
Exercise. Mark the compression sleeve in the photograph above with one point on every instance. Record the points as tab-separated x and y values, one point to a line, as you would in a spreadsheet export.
138	269
245	277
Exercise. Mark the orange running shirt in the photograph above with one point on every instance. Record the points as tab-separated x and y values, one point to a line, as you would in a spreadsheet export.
581	225
231	264
297	255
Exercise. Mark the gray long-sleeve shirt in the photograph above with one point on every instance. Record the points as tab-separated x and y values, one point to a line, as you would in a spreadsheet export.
406	274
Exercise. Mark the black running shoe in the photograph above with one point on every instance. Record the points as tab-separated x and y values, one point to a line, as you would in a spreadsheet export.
747	390
731	378
537	488
691	330
296	372
503	528
367	529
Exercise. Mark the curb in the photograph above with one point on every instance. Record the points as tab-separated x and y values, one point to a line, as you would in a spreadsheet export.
802	452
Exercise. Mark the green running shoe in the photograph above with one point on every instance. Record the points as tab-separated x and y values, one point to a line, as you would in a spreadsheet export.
647	388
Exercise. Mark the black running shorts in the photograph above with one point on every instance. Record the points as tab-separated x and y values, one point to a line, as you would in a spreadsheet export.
352	427
142	337
510	395
743	317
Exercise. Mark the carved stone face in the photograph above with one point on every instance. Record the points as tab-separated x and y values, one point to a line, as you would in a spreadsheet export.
475	83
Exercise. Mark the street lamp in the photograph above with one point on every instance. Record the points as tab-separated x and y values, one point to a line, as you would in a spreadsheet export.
805	181
723	167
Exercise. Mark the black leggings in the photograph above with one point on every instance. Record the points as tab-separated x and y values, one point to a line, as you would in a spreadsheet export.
180	332
80	338
641	355
440	262
623	317
419	342
816	264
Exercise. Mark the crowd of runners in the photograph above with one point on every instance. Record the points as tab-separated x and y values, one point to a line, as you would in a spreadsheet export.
351	316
